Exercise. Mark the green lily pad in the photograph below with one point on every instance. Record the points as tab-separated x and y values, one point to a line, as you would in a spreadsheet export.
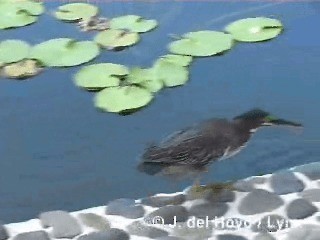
19	13
100	76
113	38
180	60
21	70
76	11
13	51
255	29
146	78
202	44
171	74
64	52
119	99
133	23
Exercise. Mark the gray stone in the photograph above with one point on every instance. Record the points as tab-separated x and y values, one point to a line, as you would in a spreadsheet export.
208	209
271	223
312	195
160	201
259	201
140	229
3	233
304	232
62	223
94	221
230	237
111	234
264	236
167	215
311	170
257	180
243	186
191	231
286	182
300	209
230	224
36	235
125	208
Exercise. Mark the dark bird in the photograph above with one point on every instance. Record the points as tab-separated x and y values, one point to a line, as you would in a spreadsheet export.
215	139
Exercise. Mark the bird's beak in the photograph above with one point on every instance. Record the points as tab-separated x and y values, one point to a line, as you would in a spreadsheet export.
280	121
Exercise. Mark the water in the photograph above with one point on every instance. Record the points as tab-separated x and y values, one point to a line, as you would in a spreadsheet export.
58	152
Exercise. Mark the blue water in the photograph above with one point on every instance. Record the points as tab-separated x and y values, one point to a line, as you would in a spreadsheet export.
58	152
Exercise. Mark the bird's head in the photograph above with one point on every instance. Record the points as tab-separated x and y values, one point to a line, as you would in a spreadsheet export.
257	118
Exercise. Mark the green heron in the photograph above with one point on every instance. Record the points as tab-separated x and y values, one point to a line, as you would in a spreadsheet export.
215	139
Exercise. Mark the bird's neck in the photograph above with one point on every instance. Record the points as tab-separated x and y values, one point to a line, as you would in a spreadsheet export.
246	125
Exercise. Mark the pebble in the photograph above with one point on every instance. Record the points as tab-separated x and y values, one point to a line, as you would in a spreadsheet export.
125	208
63	224
3	233
259	201
304	232
208	209
286	182
94	221
312	195
111	234
230	237
311	170
264	236
271	223
36	235
160	201
300	209
140	229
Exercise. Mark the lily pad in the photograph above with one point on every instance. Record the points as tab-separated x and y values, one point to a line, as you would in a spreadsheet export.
100	76
13	51
133	23
146	78
20	13
255	29
76	11
171	74
113	38
202	43
119	99
20	70
180	60
64	52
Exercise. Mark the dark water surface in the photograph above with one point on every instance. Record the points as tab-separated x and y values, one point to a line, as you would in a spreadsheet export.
58	152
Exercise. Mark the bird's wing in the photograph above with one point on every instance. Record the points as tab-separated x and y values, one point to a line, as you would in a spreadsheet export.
185	147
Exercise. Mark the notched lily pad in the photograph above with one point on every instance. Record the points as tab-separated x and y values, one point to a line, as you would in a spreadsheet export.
146	78
180	60
13	50
99	76
113	38
133	23
255	29
121	99
76	11
19	13
202	44
21	70
171	74
64	52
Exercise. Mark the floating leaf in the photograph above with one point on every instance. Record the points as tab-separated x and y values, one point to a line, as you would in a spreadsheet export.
24	69
255	29
202	43
178	59
19	13
13	51
76	11
64	52
99	76
113	38
170	74
146	78
133	23
119	99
